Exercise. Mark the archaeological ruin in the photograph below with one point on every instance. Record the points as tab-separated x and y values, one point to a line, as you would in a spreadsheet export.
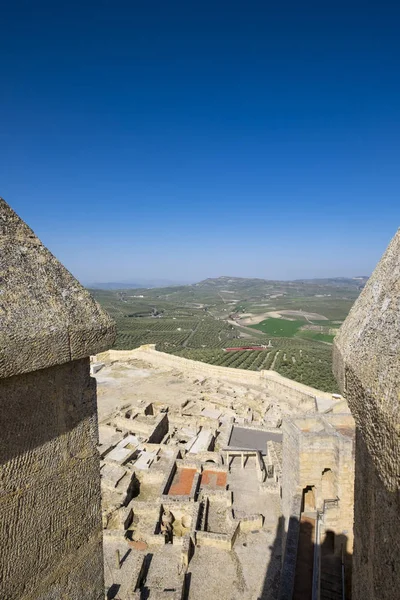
138	474
219	463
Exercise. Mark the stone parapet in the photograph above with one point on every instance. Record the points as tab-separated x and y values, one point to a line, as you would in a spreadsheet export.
47	317
50	510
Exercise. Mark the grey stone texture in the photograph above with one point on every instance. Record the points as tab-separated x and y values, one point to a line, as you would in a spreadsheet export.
46	316
244	437
367	366
50	506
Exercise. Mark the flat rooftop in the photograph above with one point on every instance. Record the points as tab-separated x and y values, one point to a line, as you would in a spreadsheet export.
252	439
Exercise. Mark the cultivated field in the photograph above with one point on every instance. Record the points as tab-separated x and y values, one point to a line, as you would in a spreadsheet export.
308	363
279	327
295	321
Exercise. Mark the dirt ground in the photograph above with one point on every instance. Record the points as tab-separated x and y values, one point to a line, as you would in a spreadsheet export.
253	319
133	381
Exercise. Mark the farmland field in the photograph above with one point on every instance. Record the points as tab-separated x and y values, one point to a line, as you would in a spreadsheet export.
278	327
198	321
316	336
308	363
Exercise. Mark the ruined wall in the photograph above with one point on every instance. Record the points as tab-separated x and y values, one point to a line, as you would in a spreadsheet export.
49	485
292	391
290	470
312	445
160	430
367	366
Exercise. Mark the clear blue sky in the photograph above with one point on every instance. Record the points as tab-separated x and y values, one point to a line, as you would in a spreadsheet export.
185	140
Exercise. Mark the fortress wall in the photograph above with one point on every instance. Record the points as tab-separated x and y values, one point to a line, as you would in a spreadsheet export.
50	512
270	381
376	531
367	367
50	485
289	390
376	554
186	365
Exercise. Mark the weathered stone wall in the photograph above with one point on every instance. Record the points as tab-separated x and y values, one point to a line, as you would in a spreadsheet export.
367	367
50	515
292	391
46	316
341	520
376	540
290	471
160	429
312	445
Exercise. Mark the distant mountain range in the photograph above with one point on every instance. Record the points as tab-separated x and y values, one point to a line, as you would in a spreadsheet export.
145	284
240	283
356	281
232	282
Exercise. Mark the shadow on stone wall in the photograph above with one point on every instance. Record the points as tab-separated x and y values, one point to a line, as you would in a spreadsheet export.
50	511
293	578
45	405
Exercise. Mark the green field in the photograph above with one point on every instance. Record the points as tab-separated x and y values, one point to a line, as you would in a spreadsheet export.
316	336
278	327
200	320
285	328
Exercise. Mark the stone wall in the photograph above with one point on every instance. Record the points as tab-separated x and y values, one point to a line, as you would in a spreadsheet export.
160	429
50	501
315	448
367	367
292	391
50	512
290	471
376	544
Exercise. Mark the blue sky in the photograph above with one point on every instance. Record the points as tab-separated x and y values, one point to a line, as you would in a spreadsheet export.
185	140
